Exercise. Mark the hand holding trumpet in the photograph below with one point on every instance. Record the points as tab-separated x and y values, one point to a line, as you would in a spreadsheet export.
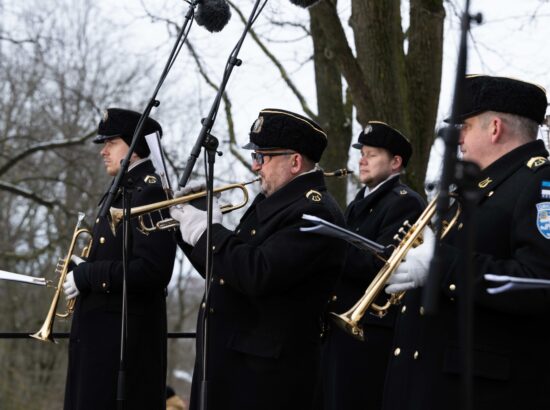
192	220
413	271
69	286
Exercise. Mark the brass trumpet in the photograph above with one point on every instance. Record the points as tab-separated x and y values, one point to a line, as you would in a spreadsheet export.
45	332
349	321
115	214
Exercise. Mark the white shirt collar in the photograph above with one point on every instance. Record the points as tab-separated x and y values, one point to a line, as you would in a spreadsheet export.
369	191
136	163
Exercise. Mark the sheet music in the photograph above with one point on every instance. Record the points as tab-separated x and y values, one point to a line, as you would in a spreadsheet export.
16	277
509	283
157	158
329	229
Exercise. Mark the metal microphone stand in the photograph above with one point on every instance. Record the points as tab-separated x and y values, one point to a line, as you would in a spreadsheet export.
461	174
126	188
210	143
119	183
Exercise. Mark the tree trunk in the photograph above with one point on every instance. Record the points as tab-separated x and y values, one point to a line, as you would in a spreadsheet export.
332	111
392	78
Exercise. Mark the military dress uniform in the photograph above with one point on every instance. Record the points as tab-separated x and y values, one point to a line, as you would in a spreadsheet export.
510	333
353	370
270	283
94	345
269	288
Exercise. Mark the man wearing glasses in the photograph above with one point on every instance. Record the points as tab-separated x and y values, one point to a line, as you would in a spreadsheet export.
271	282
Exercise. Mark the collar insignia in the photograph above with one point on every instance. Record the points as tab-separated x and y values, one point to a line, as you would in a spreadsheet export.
150	179
314	196
367	129
536	162
485	182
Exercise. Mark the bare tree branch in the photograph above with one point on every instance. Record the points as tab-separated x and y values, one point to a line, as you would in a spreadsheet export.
44	146
18	42
282	70
14	189
227	105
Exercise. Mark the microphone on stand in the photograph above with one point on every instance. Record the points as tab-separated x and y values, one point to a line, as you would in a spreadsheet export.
304	3
213	15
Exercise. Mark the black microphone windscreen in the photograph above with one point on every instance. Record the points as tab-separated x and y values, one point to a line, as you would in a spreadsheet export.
213	15
304	3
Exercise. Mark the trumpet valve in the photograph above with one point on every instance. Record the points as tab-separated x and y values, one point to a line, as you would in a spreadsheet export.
407	224
396	238
418	241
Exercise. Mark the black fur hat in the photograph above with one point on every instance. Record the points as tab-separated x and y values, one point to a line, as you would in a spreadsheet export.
118	122
277	128
502	94
381	135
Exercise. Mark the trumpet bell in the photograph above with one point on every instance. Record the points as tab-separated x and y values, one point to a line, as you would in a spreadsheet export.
349	321
347	325
45	332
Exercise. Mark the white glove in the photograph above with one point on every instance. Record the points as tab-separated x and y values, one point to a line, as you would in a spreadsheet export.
190	188
69	286
413	271
193	220
77	260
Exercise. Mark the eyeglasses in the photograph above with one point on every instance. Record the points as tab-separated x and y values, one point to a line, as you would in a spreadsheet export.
258	157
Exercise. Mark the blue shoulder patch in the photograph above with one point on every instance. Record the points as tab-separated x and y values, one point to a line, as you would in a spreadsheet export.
543	219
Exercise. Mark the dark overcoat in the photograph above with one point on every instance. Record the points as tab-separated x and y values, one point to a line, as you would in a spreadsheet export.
94	347
510	330
269	289
353	371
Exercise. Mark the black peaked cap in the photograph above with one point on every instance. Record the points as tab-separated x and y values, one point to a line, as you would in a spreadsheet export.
381	135
119	122
276	128
502	94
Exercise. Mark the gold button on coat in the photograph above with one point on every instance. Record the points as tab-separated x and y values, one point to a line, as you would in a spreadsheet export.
253	232
397	351
222	282
452	287
415	355
404	309
102	240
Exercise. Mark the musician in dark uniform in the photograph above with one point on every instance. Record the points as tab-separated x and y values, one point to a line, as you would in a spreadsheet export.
94	348
353	370
271	281
500	121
